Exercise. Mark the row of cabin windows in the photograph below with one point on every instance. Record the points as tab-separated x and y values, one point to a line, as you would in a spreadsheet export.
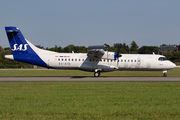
70	59
96	60
104	60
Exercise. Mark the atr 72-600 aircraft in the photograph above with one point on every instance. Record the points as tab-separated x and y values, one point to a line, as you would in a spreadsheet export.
95	60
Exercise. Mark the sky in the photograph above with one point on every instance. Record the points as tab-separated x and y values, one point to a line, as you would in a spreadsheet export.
92	22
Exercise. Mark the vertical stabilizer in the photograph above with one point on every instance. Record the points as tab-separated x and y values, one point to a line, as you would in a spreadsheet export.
22	49
17	41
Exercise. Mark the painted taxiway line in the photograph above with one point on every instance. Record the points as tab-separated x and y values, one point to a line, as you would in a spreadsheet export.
90	79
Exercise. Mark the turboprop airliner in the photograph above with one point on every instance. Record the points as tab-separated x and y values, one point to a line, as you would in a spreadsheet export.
96	59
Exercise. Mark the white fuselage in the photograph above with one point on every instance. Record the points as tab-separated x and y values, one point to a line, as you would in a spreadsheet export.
126	62
142	62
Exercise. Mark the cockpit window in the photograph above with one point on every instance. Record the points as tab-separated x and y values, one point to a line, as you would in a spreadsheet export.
162	59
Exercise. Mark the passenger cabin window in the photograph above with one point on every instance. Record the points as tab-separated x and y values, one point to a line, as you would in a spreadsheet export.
162	59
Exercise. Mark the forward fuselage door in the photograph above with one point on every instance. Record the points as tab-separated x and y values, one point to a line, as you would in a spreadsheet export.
49	62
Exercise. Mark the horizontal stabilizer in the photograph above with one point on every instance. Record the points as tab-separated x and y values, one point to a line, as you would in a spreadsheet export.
9	57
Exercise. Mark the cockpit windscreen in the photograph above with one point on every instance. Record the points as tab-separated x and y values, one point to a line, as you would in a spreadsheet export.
162	59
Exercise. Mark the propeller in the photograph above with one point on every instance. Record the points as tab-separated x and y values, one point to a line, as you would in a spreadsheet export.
118	55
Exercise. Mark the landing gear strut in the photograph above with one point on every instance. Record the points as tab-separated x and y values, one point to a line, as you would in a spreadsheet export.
97	74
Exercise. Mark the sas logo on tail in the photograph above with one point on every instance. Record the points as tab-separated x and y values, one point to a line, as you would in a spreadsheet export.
20	47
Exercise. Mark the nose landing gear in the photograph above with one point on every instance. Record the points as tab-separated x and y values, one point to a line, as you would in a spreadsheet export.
165	73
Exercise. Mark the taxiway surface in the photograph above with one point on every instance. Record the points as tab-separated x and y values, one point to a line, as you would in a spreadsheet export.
90	79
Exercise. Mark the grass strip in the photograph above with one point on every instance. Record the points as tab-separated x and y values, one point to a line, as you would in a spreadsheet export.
90	100
83	73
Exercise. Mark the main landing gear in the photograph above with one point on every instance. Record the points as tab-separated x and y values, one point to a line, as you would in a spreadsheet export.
97	72
165	73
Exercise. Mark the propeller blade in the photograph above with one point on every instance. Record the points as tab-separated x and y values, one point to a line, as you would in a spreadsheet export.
118	55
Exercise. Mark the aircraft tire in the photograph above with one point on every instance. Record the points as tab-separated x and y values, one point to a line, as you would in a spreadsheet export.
164	74
96	74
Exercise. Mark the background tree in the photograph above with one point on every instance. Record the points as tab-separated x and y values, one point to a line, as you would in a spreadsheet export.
123	47
108	46
148	50
1	56
178	46
133	48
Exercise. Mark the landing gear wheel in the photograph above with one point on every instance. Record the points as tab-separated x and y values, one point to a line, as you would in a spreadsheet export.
96	74
164	74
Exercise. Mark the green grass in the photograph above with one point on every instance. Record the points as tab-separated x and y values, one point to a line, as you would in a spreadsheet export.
90	100
19	72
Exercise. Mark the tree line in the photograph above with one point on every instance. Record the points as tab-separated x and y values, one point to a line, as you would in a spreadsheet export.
133	48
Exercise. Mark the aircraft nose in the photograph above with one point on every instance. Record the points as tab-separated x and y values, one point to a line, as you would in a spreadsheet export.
173	65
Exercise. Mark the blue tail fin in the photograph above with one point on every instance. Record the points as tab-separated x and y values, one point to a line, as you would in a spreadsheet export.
22	49
17	41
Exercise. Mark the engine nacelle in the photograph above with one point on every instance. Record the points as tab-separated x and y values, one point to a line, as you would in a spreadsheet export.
110	55
95	52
